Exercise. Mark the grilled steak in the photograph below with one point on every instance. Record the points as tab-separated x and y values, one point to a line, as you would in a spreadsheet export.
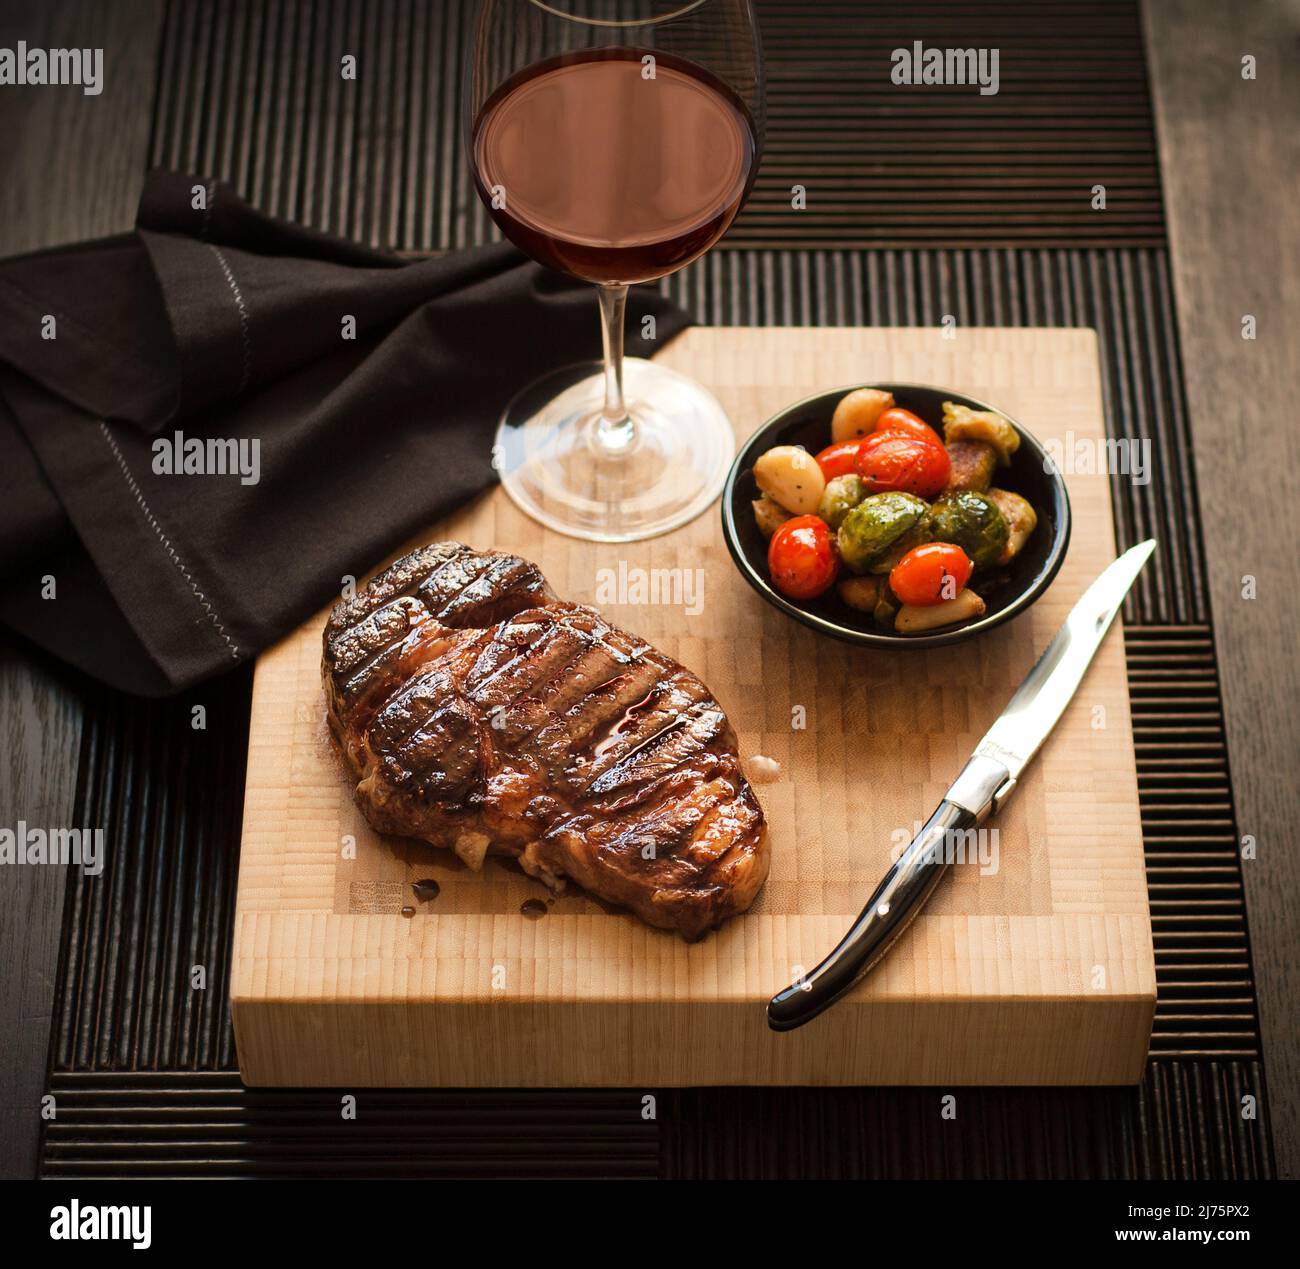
479	712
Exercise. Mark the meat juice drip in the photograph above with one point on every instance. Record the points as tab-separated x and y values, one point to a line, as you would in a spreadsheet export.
533	909
408	912
426	889
611	175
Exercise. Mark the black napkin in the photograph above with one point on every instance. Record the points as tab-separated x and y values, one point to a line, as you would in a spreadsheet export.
215	321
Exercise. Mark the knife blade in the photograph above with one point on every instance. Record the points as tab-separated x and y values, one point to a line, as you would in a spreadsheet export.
987	780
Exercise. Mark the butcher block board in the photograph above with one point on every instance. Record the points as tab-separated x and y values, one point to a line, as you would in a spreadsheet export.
1034	967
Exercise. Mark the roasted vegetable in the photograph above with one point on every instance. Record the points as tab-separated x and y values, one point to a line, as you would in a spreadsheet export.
971	465
838	459
886	606
856	517
900	420
861	593
974	523
898	461
791	478
913	619
930	574
961	423
801	558
874	525
917	535
840	496
769	515
856	414
1021	519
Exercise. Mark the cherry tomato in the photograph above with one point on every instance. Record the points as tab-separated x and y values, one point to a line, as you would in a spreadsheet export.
802	557
837	460
889	461
930	574
899	420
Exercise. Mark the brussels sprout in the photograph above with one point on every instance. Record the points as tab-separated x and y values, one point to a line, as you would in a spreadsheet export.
974	523
920	533
840	496
874	525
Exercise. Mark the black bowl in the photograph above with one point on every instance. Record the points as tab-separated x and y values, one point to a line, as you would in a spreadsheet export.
808	423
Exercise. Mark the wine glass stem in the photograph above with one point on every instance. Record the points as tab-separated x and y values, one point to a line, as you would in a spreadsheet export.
615	430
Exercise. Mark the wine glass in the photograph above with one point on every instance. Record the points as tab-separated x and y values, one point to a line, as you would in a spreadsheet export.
615	141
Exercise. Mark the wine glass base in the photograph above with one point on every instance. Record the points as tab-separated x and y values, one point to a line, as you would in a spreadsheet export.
554	466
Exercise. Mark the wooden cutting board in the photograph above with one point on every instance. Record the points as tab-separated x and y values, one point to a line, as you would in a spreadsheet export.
1033	966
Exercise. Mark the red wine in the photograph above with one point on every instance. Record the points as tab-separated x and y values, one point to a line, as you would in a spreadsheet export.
606	173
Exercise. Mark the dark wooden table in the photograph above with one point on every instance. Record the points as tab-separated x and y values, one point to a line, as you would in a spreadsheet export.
1230	154
71	167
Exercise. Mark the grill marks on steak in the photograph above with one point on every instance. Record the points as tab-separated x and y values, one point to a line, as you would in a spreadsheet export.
455	585
408	615
479	712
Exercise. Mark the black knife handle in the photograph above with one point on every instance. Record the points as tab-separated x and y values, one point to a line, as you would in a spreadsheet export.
898	898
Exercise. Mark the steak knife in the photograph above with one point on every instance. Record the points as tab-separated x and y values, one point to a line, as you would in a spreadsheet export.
985	783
